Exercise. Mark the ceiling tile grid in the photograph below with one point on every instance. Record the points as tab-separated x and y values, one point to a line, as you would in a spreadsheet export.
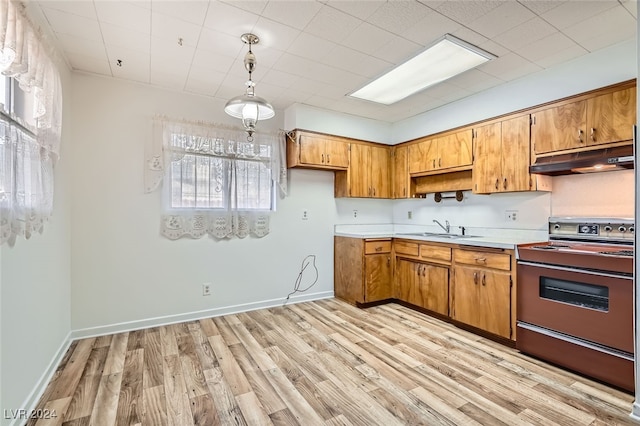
317	52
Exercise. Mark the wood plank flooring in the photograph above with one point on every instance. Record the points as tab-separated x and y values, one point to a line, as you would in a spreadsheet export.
318	363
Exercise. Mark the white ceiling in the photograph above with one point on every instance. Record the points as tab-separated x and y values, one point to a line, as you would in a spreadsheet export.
315	52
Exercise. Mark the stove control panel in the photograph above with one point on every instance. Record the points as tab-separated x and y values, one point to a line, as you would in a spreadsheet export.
614	230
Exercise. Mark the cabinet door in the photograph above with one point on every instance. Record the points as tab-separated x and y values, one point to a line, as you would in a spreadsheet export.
432	290
422	156
405	280
465	305
312	150
495	301
359	185
559	128
610	117
516	155
379	172
400	176
377	277
455	150
337	153
488	162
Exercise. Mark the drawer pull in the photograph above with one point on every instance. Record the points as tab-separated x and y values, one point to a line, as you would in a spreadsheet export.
475	278
481	260
484	279
378	248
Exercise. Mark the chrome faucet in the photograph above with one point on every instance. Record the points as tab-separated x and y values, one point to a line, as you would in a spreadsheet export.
446	228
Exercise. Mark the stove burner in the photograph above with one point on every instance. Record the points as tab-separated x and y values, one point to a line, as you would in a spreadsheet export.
550	247
628	253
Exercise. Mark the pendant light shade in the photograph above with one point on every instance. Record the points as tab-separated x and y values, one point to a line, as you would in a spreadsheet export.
249	107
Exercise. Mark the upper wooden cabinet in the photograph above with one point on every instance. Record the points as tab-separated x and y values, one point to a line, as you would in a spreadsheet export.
400	179
585	123
316	151
502	158
369	173
444	152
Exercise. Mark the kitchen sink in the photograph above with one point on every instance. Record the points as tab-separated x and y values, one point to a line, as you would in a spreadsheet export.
436	234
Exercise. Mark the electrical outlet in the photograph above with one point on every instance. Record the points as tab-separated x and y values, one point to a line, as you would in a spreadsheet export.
206	289
511	215
305	214
355	213
409	214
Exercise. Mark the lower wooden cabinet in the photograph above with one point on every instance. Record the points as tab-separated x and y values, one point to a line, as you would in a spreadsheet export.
423	285
362	269
481	291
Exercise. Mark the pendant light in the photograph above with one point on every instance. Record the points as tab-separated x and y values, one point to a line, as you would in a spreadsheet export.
249	107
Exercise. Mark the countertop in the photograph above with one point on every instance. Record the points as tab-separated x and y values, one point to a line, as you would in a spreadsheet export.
477	237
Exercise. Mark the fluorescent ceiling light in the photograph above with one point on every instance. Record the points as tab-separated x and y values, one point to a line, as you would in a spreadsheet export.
447	57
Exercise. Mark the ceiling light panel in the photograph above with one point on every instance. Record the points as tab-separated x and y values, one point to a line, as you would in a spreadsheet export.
448	57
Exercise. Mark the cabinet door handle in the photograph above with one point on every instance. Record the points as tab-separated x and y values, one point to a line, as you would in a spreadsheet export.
322	158
505	183
475	278
497	183
481	260
404	192
374	192
593	134
328	159
580	135
439	162
424	270
484	279
388	261
434	163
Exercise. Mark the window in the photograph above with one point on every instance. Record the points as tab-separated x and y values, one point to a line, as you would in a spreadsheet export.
208	173
214	180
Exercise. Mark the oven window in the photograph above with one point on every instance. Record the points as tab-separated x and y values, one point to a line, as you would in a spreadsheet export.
578	294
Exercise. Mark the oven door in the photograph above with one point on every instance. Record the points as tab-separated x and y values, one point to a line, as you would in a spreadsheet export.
588	305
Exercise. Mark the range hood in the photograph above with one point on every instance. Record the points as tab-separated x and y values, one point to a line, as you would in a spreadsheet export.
600	160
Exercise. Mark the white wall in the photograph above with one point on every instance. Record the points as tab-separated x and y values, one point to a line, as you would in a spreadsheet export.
125	272
35	277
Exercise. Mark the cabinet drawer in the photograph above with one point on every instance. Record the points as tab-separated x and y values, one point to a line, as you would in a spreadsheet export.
480	258
438	253
374	247
405	247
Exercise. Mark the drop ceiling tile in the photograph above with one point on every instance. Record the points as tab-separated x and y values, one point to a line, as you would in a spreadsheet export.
509	67
89	64
358	9
200	87
467	11
573	12
540	6
368	38
279	78
134	65
604	29
340	78
501	19
332	24
470	36
318	88
397	50
295	65
475	81
167	79
292	13
494	48
170	57
525	34
67	23
86	47
81	8
311	47
433	4
122	37
358	63
204	81
216	43
562	56
212	62
631	6
274	34
430	28
253	6
545	47
172	29
396	16
193	11
229	19
125	15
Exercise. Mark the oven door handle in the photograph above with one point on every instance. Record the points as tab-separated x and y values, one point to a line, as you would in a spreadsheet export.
581	271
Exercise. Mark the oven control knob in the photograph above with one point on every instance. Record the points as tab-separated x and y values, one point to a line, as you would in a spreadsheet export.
608	228
631	229
622	229
556	226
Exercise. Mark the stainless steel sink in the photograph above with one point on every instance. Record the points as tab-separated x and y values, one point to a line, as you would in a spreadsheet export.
436	234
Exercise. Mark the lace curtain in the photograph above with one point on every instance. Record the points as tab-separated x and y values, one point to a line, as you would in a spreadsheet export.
27	155
214	181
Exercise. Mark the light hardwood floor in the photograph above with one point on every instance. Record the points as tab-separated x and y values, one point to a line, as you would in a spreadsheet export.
318	363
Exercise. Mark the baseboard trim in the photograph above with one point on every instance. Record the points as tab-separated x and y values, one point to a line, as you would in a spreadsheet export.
33	398
635	413
191	316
